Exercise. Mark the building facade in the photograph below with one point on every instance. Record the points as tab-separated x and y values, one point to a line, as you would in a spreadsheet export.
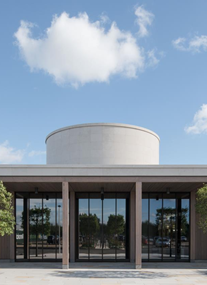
102	196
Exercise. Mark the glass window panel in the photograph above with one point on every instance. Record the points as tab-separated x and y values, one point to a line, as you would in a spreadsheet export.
50	237
121	229
35	228
83	229
145	226
19	228
169	227
185	228
95	229
155	227
109	229
59	227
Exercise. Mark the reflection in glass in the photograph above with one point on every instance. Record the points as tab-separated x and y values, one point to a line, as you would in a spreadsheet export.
38	226
185	229
95	229
109	229
35	229
83	229
102	227
155	227
50	239
145	227
59	228
19	228
121	229
169	221
167	232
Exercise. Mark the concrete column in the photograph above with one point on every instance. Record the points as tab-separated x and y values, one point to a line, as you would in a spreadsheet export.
65	243
72	226
138	225
192	226
11	237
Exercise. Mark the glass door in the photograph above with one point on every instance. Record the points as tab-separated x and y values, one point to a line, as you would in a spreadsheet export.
101	227
38	226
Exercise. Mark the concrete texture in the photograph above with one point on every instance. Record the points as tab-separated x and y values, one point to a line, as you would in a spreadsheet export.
55	173
103	274
103	144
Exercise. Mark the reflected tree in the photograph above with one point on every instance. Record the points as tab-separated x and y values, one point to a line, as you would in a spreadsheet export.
38	218
115	228
89	226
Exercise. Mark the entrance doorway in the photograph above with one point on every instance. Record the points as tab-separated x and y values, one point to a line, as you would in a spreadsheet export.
38	230
102	227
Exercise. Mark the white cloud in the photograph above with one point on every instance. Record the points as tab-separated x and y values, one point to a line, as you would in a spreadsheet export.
144	19
195	44
9	155
199	121
77	51
152	59
36	153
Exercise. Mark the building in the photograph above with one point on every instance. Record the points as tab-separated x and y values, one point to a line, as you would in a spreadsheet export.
102	196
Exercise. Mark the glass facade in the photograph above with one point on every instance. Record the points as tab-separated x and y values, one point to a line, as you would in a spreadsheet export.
165	226
102	226
38	226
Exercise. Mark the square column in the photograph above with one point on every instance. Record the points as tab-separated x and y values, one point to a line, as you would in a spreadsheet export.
72	225
65	242
138	225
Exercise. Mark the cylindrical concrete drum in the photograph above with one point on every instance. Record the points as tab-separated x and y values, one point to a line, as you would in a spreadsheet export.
103	144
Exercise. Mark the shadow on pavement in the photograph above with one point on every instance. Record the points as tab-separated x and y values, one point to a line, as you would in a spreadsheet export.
120	274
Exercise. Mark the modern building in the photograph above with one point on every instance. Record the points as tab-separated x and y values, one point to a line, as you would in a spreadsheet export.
102	196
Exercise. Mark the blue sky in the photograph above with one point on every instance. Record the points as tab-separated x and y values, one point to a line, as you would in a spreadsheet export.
149	71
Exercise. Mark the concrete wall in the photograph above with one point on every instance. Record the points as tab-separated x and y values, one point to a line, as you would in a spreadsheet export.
200	243
103	144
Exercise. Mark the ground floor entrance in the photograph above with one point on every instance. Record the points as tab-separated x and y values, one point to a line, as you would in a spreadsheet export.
102	226
166	226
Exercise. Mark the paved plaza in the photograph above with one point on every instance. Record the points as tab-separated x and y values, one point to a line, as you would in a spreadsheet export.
103	274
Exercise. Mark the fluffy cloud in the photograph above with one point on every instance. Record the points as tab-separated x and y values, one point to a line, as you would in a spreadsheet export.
36	153
77	51
199	121
144	19
195	44
9	154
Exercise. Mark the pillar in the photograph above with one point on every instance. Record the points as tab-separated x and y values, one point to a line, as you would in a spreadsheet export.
65	242
138	225
72	225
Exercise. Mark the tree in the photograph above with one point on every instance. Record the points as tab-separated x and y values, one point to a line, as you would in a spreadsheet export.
201	207
7	219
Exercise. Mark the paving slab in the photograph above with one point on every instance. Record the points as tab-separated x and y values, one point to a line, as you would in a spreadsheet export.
103	274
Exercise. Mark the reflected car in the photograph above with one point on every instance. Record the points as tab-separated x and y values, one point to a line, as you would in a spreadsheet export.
121	238
162	242
155	239
53	240
144	240
183	238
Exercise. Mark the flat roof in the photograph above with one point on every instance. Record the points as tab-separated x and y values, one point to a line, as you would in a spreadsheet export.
103	170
